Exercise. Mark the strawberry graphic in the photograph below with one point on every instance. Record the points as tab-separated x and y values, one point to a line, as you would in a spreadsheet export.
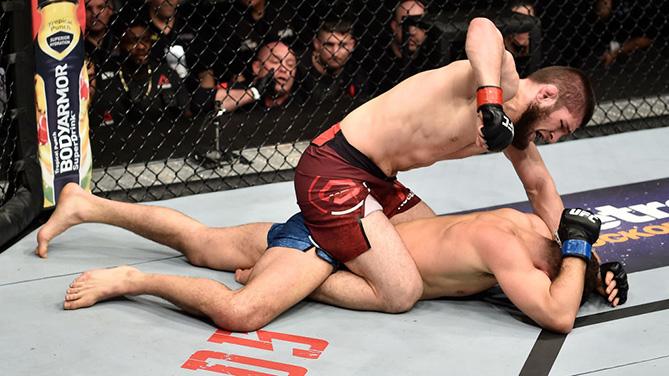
42	133
83	88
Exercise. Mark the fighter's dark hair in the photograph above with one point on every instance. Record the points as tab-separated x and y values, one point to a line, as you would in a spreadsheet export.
575	90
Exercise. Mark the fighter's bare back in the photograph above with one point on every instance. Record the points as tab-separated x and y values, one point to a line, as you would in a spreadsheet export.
426	118
449	263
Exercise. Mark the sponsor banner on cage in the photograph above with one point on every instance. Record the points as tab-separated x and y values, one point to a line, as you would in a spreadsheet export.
61	96
635	222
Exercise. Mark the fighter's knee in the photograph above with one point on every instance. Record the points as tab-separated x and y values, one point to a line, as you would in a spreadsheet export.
399	305
197	259
196	248
241	317
403	299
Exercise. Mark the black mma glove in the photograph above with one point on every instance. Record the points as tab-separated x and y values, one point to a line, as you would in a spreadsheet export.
263	86
578	230
497	127
619	276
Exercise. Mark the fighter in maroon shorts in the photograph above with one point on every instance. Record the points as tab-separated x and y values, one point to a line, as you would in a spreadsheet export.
337	186
345	181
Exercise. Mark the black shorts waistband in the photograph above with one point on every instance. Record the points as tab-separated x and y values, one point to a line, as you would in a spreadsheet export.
355	157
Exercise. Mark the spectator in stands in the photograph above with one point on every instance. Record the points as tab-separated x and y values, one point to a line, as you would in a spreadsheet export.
263	110
273	83
184	38
257	22
519	43
249	24
628	27
403	57
327	75
137	95
173	38
100	42
401	45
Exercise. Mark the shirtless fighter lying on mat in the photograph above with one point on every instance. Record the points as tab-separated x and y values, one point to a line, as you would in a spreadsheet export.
457	255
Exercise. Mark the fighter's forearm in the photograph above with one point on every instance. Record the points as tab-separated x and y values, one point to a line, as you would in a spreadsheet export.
538	183
485	50
547	204
566	292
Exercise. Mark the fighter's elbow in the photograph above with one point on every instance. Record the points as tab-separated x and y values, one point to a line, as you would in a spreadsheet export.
481	27
562	324
562	327
480	22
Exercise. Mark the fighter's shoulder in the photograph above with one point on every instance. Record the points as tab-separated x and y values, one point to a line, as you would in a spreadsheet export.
457	69
492	225
495	233
459	77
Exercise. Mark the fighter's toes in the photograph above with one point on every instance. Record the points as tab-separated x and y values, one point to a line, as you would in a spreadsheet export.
77	301
75	290
83	277
70	297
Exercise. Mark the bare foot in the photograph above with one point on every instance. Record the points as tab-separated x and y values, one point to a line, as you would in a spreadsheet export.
242	275
72	203
100	284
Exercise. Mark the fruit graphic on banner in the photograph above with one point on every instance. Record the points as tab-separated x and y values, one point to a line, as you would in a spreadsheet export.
61	96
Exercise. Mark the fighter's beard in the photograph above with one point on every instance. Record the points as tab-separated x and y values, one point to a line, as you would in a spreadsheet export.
525	126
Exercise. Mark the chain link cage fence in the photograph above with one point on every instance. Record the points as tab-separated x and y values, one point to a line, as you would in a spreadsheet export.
199	96
19	171
7	128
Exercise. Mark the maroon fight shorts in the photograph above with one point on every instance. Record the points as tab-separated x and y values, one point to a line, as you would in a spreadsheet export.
332	181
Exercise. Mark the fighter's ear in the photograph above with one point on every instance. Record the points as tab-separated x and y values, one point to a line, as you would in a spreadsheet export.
547	95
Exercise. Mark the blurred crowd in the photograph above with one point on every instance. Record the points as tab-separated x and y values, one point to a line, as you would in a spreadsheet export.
276	71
